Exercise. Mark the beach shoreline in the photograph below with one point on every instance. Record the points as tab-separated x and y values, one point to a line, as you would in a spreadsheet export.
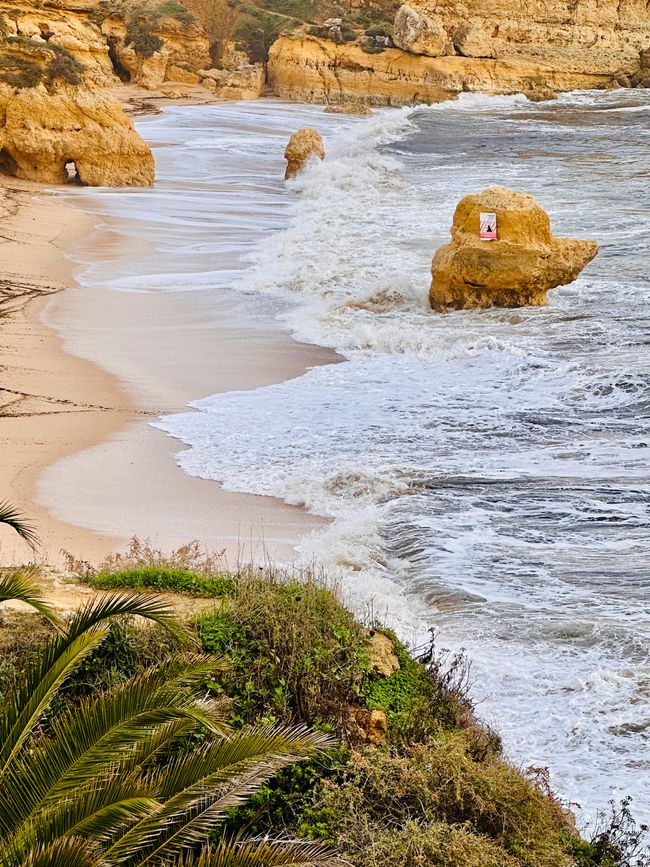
79	457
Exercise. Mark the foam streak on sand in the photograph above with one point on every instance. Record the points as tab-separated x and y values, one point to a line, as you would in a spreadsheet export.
486	472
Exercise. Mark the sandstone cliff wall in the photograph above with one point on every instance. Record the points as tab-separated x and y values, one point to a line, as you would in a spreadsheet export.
317	70
449	46
45	135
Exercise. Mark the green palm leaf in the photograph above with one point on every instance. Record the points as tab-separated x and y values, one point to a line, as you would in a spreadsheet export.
12	518
201	788
84	793
102	734
36	690
126	604
64	853
19	585
264	853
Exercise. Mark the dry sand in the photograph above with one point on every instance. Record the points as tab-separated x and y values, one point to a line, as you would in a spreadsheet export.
77	454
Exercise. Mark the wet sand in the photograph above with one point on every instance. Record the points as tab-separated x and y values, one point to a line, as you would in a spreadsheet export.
78	456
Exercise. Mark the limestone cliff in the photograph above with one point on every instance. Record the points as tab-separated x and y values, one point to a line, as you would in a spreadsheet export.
56	58
46	136
577	37
317	70
438	47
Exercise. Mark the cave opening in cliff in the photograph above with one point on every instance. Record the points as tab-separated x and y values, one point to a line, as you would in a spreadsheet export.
72	173
8	165
122	73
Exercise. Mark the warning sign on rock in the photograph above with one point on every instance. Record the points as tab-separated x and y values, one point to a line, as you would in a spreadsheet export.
488	227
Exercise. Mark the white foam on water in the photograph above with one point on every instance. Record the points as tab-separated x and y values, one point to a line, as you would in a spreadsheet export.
485	472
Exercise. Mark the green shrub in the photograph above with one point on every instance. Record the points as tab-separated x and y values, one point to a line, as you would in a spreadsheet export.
63	66
20	72
145	43
256	30
166	578
437	805
175	10
295	652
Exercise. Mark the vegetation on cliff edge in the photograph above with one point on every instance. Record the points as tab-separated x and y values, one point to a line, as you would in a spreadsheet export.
415	779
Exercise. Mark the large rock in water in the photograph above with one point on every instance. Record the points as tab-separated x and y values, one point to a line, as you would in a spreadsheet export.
303	146
41	133
517	269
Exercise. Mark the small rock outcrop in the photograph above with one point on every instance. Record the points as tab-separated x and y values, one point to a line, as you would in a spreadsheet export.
357	108
515	270
381	653
304	145
44	136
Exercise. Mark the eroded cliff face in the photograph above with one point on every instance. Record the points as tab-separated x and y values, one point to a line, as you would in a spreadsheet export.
70	133
438	47
595	37
317	70
57	57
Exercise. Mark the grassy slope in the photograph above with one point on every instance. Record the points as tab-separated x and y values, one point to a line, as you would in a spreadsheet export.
436	791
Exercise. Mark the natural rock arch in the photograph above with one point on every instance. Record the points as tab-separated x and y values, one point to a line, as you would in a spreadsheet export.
71	173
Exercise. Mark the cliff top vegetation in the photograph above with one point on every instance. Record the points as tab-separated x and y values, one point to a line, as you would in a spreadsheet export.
414	778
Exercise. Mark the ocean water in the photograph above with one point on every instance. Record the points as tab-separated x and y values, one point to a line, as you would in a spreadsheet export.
486	472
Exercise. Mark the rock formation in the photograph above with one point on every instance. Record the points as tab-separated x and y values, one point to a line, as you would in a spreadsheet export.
381	653
420	35
517	269
493	46
246	81
309	69
41	133
356	108
304	145
170	50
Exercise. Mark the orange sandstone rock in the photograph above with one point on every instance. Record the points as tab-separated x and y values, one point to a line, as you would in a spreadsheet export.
303	146
517	269
41	133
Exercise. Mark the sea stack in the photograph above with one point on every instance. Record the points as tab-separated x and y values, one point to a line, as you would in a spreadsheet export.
303	146
512	263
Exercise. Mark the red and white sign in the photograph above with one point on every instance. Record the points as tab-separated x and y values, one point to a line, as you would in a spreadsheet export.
488	227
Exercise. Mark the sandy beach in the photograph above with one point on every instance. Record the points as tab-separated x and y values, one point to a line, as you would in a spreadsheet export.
119	478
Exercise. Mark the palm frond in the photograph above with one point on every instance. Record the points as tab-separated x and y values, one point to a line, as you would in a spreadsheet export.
231	756
148	605
18	584
109	732
72	852
12	518
264	853
200	789
36	690
98	811
119	727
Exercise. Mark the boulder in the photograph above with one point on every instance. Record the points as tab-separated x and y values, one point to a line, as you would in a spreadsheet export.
517	269
376	727
231	57
42	133
381	653
537	91
349	108
474	40
418	34
303	146
148	72
245	82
